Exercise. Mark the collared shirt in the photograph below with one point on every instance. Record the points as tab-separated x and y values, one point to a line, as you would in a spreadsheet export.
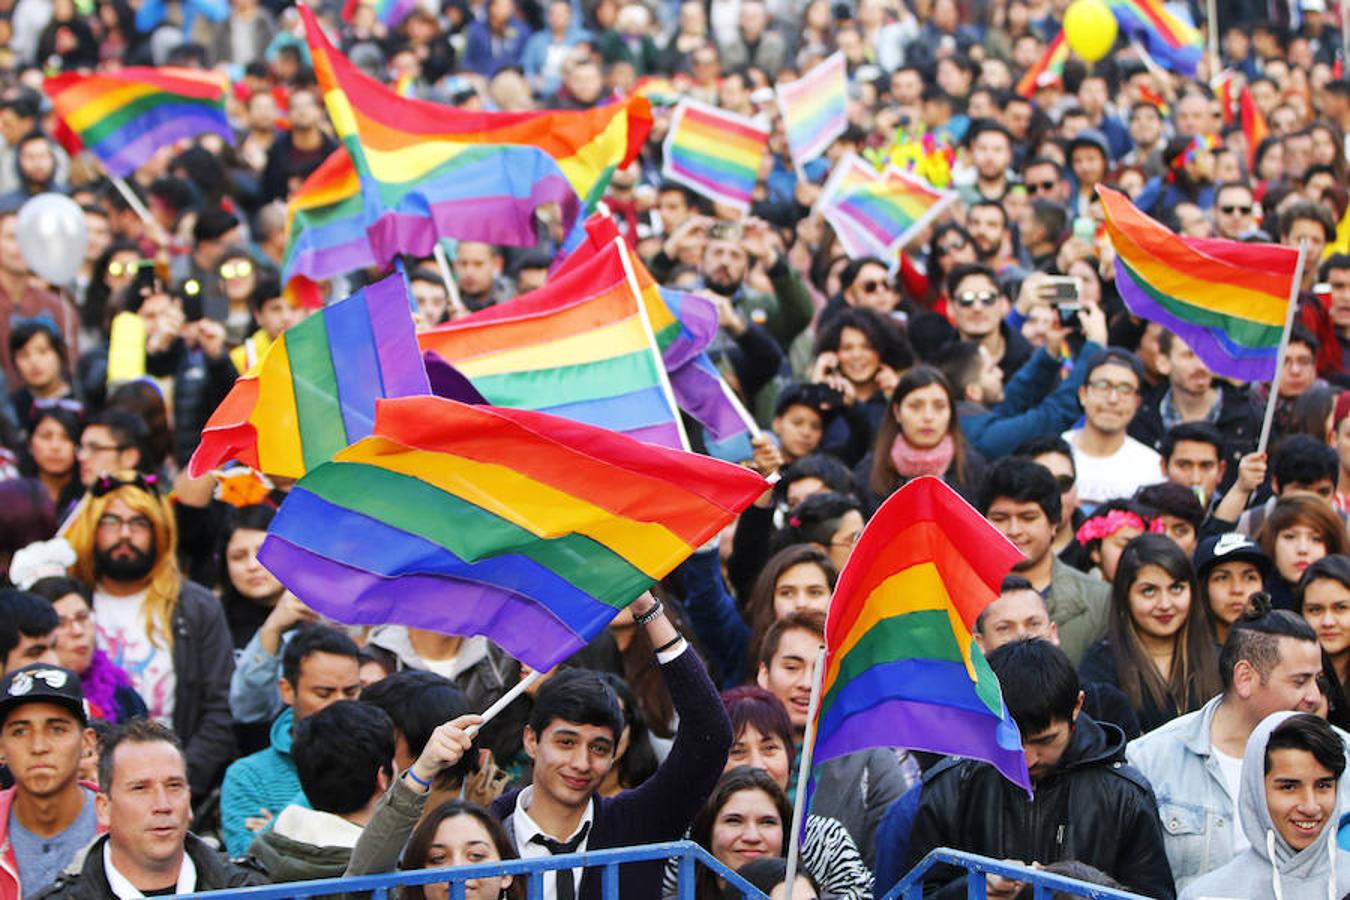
524	828
1171	416
125	890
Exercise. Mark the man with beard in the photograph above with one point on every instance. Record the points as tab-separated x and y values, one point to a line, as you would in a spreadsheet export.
168	633
729	254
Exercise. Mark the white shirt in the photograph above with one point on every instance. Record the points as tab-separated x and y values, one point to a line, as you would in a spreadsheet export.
1102	478
120	627
125	890
1231	768
526	828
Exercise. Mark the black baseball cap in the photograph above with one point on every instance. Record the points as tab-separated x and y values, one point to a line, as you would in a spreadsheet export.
43	683
1230	547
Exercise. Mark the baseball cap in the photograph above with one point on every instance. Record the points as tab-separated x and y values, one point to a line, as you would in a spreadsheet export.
43	683
1230	547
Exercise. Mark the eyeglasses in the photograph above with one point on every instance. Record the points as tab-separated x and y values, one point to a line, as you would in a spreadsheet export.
871	287
89	448
240	268
1231	210
848	541
987	299
115	524
83	617
118	269
1120	389
953	245
1036	187
1065	483
108	483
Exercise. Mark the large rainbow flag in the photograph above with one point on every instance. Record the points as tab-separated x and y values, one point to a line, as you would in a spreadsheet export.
582	347
418	187
1173	42
901	665
877	213
526	528
1051	64
1227	300
314	390
124	116
815	108
715	152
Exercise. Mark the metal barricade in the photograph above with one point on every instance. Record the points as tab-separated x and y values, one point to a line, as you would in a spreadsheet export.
1045	883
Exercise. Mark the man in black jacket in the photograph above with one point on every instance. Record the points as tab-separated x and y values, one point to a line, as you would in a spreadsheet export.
1089	806
145	800
573	736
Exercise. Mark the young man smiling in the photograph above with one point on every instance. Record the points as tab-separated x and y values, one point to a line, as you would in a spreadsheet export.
1288	810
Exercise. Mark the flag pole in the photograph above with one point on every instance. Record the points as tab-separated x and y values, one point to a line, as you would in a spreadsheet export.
651	340
803	774
746	419
451	289
506	700
1212	15
1284	344
133	201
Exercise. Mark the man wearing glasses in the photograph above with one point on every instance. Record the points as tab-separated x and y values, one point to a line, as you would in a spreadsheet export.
978	309
1109	462
1234	210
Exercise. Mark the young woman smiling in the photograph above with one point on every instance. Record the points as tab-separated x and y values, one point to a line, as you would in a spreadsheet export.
1324	602
1159	647
1300	530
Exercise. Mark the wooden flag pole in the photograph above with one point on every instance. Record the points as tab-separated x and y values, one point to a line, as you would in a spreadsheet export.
1212	15
1284	344
451	288
803	774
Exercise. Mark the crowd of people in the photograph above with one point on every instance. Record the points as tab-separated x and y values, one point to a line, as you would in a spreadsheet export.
1174	649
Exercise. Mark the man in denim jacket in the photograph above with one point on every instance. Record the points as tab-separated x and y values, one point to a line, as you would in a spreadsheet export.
1270	663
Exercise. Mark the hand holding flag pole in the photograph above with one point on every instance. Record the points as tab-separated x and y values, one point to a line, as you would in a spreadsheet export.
1294	288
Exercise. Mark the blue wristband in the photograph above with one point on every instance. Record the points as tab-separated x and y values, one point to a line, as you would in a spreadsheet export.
413	775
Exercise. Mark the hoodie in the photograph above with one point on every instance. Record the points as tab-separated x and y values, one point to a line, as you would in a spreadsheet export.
1270	869
266	780
305	844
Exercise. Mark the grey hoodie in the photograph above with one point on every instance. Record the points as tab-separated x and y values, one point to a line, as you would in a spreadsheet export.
1270	869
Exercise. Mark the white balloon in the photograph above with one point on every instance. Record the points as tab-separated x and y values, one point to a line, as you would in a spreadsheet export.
52	237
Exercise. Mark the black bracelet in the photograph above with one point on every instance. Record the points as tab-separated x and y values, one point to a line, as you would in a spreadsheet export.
649	615
670	643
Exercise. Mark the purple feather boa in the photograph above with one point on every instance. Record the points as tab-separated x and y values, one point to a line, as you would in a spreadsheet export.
101	682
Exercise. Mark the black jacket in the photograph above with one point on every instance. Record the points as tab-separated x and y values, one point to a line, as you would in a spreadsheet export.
203	661
1093	808
1239	424
214	873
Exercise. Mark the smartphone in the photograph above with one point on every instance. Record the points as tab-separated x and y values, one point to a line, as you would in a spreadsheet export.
1063	292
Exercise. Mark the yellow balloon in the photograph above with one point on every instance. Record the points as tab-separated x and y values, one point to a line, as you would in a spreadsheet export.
1090	28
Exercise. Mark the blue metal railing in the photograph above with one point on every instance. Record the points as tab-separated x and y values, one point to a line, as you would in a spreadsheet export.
686	854
911	886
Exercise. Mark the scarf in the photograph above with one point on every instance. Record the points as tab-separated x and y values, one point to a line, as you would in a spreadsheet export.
911	462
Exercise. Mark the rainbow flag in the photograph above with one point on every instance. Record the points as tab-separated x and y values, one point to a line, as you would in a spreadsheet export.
1226	299
876	214
1172	41
314	390
1254	128
815	108
529	529
587	145
124	116
416	189
1051	64
901	666
578	348
326	223
715	152
699	388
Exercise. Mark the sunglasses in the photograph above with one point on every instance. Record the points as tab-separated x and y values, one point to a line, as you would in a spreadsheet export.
953	245
987	299
1230	210
871	287
118	269
1037	187
241	268
109	483
1065	483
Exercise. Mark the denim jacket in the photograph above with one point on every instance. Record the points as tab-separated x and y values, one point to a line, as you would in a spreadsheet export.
1199	818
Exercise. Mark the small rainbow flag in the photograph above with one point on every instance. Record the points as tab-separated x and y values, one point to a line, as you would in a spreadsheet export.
1051	63
314	390
526	528
124	116
390	13
326	224
815	108
1227	300
901	665
1173	42
876	214
715	152
1254	128
578	348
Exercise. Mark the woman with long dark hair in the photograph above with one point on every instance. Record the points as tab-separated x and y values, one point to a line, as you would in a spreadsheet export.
1323	599
859	353
920	435
459	833
51	454
247	590
1159	648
